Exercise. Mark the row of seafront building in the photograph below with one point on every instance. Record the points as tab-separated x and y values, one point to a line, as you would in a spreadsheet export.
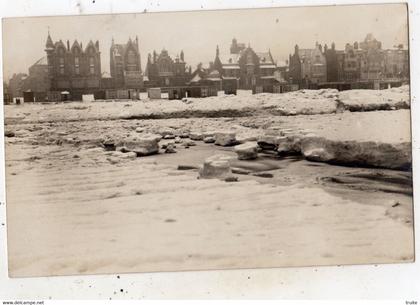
72	71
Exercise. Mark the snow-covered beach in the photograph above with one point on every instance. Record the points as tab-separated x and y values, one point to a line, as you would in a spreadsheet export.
330	183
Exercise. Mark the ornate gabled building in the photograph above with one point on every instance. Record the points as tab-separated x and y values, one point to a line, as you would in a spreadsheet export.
308	66
17	84
397	63
163	71
351	63
38	81
372	59
125	65
206	77
74	69
332	60
247	67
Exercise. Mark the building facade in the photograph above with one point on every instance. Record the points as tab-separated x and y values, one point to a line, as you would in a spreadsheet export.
308	67
397	63
163	71
360	65
73	69
125	65
351	65
332	62
246	67
38	80
17	84
372	59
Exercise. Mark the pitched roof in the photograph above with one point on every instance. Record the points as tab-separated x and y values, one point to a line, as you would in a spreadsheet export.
282	63
232	60
265	57
214	73
196	79
229	59
118	49
41	61
91	44
305	52
76	44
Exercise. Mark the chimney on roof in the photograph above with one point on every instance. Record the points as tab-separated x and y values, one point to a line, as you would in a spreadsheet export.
154	56
356	45
68	45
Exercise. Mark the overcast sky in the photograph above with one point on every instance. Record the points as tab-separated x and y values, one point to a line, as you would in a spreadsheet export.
198	33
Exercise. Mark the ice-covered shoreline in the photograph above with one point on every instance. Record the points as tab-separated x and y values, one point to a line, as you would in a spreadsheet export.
86	176
303	102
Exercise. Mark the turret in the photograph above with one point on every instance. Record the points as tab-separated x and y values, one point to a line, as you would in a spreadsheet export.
49	44
182	55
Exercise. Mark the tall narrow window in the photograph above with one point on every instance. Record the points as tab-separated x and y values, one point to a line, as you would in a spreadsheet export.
249	59
61	65
76	66
131	61
91	65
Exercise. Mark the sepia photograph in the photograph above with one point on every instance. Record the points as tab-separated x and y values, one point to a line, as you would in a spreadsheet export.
208	140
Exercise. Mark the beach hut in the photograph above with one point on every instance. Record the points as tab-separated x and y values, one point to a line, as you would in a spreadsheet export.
65	96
